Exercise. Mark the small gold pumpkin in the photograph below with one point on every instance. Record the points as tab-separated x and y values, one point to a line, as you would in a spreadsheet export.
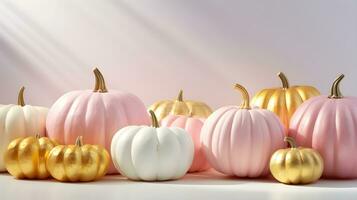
77	162
296	165
284	100
26	157
179	106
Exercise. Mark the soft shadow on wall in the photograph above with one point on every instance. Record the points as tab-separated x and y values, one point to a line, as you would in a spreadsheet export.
153	49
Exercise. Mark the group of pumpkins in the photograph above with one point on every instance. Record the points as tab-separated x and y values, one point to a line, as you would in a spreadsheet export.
183	136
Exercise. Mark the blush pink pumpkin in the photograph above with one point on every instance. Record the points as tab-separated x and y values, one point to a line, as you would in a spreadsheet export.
94	114
240	140
193	126
329	125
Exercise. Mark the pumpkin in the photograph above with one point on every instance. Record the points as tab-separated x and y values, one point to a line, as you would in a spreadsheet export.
19	121
193	127
239	140
25	157
152	153
329	125
77	162
296	165
94	114
285	100
180	107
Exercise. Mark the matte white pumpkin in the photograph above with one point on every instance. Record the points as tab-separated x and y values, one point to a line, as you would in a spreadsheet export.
20	121
152	153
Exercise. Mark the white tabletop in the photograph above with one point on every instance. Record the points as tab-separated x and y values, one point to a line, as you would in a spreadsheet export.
206	185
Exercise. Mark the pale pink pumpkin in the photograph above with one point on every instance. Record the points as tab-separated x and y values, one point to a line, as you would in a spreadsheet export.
240	140
94	114
329	125
193	126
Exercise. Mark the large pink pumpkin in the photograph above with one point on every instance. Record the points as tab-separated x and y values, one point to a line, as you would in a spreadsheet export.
94	114
193	126
240	140
329	125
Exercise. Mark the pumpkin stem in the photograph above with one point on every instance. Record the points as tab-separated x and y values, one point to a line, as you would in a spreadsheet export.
79	141
37	136
284	80
291	141
154	121
245	96
335	89
180	96
97	82
100	82
20	97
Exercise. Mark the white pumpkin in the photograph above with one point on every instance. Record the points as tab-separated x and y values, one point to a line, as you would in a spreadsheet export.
19	121
152	153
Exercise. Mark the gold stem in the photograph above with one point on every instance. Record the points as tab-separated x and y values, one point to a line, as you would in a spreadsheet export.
20	97
245	96
284	80
335	89
79	141
180	96
102	87
154	121
291	141
97	82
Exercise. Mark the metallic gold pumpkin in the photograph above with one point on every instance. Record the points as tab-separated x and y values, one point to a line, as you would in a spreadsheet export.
296	165
26	157
284	101
77	162
180	107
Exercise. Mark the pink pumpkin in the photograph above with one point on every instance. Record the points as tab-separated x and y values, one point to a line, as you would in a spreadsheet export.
329	125
239	140
193	126
94	114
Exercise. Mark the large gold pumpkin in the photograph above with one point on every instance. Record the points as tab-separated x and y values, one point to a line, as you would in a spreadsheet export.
77	162
283	101
26	157
179	106
296	165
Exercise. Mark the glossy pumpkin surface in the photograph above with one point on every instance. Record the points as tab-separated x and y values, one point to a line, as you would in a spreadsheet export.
152	153
284	100
328	124
77	162
94	114
20	120
179	106
296	165
239	140
25	158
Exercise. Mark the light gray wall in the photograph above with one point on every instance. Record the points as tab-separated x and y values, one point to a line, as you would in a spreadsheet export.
155	47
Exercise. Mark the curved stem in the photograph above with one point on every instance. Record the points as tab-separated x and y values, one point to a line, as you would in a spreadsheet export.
180	96
102	87
97	82
291	141
245	96
79	141
20	97
284	80
37	136
154	121
335	89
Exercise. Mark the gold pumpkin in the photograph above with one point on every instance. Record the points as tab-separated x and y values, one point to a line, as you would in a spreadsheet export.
26	157
296	165
284	101
179	106
77	162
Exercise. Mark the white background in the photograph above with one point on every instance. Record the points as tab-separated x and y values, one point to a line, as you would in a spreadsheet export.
154	47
